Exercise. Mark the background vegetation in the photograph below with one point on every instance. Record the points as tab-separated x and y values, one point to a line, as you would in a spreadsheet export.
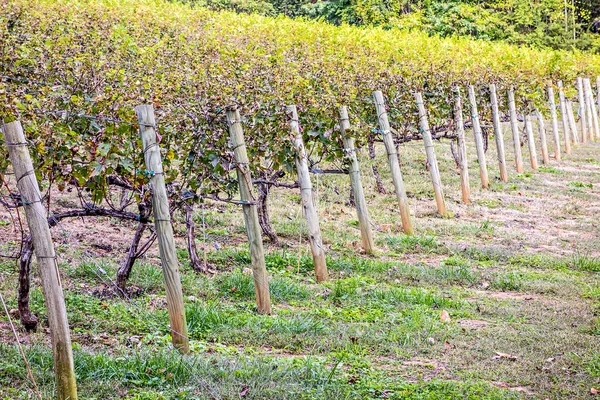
542	23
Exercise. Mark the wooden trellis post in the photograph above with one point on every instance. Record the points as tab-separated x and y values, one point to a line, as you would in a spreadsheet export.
542	132
308	203
66	387
598	93
514	126
257	252
431	159
572	122
564	116
462	148
530	141
498	134
364	222
164	229
483	173
582	111
555	134
592	112
392	156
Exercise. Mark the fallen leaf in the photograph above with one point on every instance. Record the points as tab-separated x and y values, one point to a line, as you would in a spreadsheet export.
244	391
594	391
506	356
449	346
444	316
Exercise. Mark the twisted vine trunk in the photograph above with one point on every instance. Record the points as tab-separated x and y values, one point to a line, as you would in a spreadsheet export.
125	268
371	144
263	207
28	319
197	265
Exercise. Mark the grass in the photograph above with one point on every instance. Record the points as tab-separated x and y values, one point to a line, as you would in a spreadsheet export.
375	329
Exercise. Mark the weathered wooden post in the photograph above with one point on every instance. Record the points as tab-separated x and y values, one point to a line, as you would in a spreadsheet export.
308	203
483	173
514	126
66	387
581	110
598	93
364	222
498	134
431	159
257	252
592	112
462	148
542	132
392	155
588	110
164	229
572	122
554	123
530	141
564	116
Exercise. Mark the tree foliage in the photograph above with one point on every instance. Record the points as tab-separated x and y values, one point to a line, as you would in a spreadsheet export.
542	23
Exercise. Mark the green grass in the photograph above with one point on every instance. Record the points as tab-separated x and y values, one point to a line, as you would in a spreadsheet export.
372	331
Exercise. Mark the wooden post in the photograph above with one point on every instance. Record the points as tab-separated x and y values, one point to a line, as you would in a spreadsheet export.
364	222
308	204
514	126
554	123
564	116
572	122
499	135
431	159
598	93
462	148
592	112
257	252
483	173
164	229
66	387
542	132
392	155
581	110
588	110
530	141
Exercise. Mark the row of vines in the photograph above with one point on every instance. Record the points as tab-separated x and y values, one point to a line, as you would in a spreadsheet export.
63	60
73	71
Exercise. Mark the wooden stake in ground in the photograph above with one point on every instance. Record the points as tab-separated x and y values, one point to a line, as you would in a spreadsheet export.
530	141
483	173
542	132
581	110
392	155
498	134
257	252
462	148
431	159
598	94
66	387
572	122
308	203
588	110
514	126
592	111
364	222
554	123
564	116
164	229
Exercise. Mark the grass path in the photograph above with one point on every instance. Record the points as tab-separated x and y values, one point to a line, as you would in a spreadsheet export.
516	272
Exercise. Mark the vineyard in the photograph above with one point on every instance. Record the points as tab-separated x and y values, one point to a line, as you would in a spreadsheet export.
427	207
